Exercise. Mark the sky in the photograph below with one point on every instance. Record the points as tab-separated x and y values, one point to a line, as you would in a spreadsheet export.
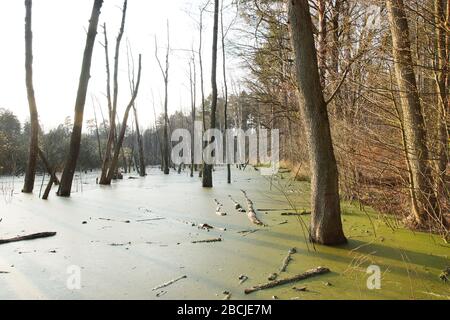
59	35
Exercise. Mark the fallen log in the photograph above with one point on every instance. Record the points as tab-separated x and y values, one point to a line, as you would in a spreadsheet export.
301	213
169	283
219	208
287	259
308	274
28	237
237	206
251	211
208	240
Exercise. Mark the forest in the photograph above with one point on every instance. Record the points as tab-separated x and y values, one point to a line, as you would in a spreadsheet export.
277	150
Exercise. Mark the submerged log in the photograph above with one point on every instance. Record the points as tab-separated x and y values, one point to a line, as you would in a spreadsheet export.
300	213
169	283
308	274
28	237
237	206
287	259
251	211
208	240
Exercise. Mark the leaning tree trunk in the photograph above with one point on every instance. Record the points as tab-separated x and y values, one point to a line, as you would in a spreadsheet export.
75	140
422	194
115	159
113	109
326	225
34	122
207	167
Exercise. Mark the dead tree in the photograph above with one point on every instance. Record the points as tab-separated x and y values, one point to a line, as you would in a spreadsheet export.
97	133
207	178
326	224
140	143
112	105
165	75
193	88
225	88
69	170
30	172
115	159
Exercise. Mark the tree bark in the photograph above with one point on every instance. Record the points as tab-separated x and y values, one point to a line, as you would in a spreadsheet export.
442	62
225	86
113	109
115	159
34	122
423	198
326	225
207	178
142	172
67	177
322	41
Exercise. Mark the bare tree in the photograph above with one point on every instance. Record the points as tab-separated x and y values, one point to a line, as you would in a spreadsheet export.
326	225
131	77
34	121
123	127
225	86
65	186
207	178
193	90
165	74
423	198
113	109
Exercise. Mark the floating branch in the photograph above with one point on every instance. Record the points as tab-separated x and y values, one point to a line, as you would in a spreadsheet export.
29	237
287	259
168	283
208	240
219	208
237	206
301	213
251	211
308	274
208	227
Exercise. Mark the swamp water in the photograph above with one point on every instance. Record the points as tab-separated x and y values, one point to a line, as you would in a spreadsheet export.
120	242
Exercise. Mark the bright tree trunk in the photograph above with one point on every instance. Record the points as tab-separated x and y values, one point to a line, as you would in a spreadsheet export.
423	198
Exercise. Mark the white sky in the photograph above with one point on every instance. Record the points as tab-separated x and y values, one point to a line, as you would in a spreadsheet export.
59	34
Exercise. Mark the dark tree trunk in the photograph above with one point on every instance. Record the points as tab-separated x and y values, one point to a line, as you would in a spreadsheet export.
34	122
207	167
75	140
326	225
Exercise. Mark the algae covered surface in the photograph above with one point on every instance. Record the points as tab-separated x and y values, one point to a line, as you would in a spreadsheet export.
130	238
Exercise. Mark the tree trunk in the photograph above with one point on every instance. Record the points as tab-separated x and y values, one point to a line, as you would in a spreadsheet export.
441	82
225	85
423	198
34	122
207	167
326	225
75	140
322	41
142	172
115	159
47	166
113	110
